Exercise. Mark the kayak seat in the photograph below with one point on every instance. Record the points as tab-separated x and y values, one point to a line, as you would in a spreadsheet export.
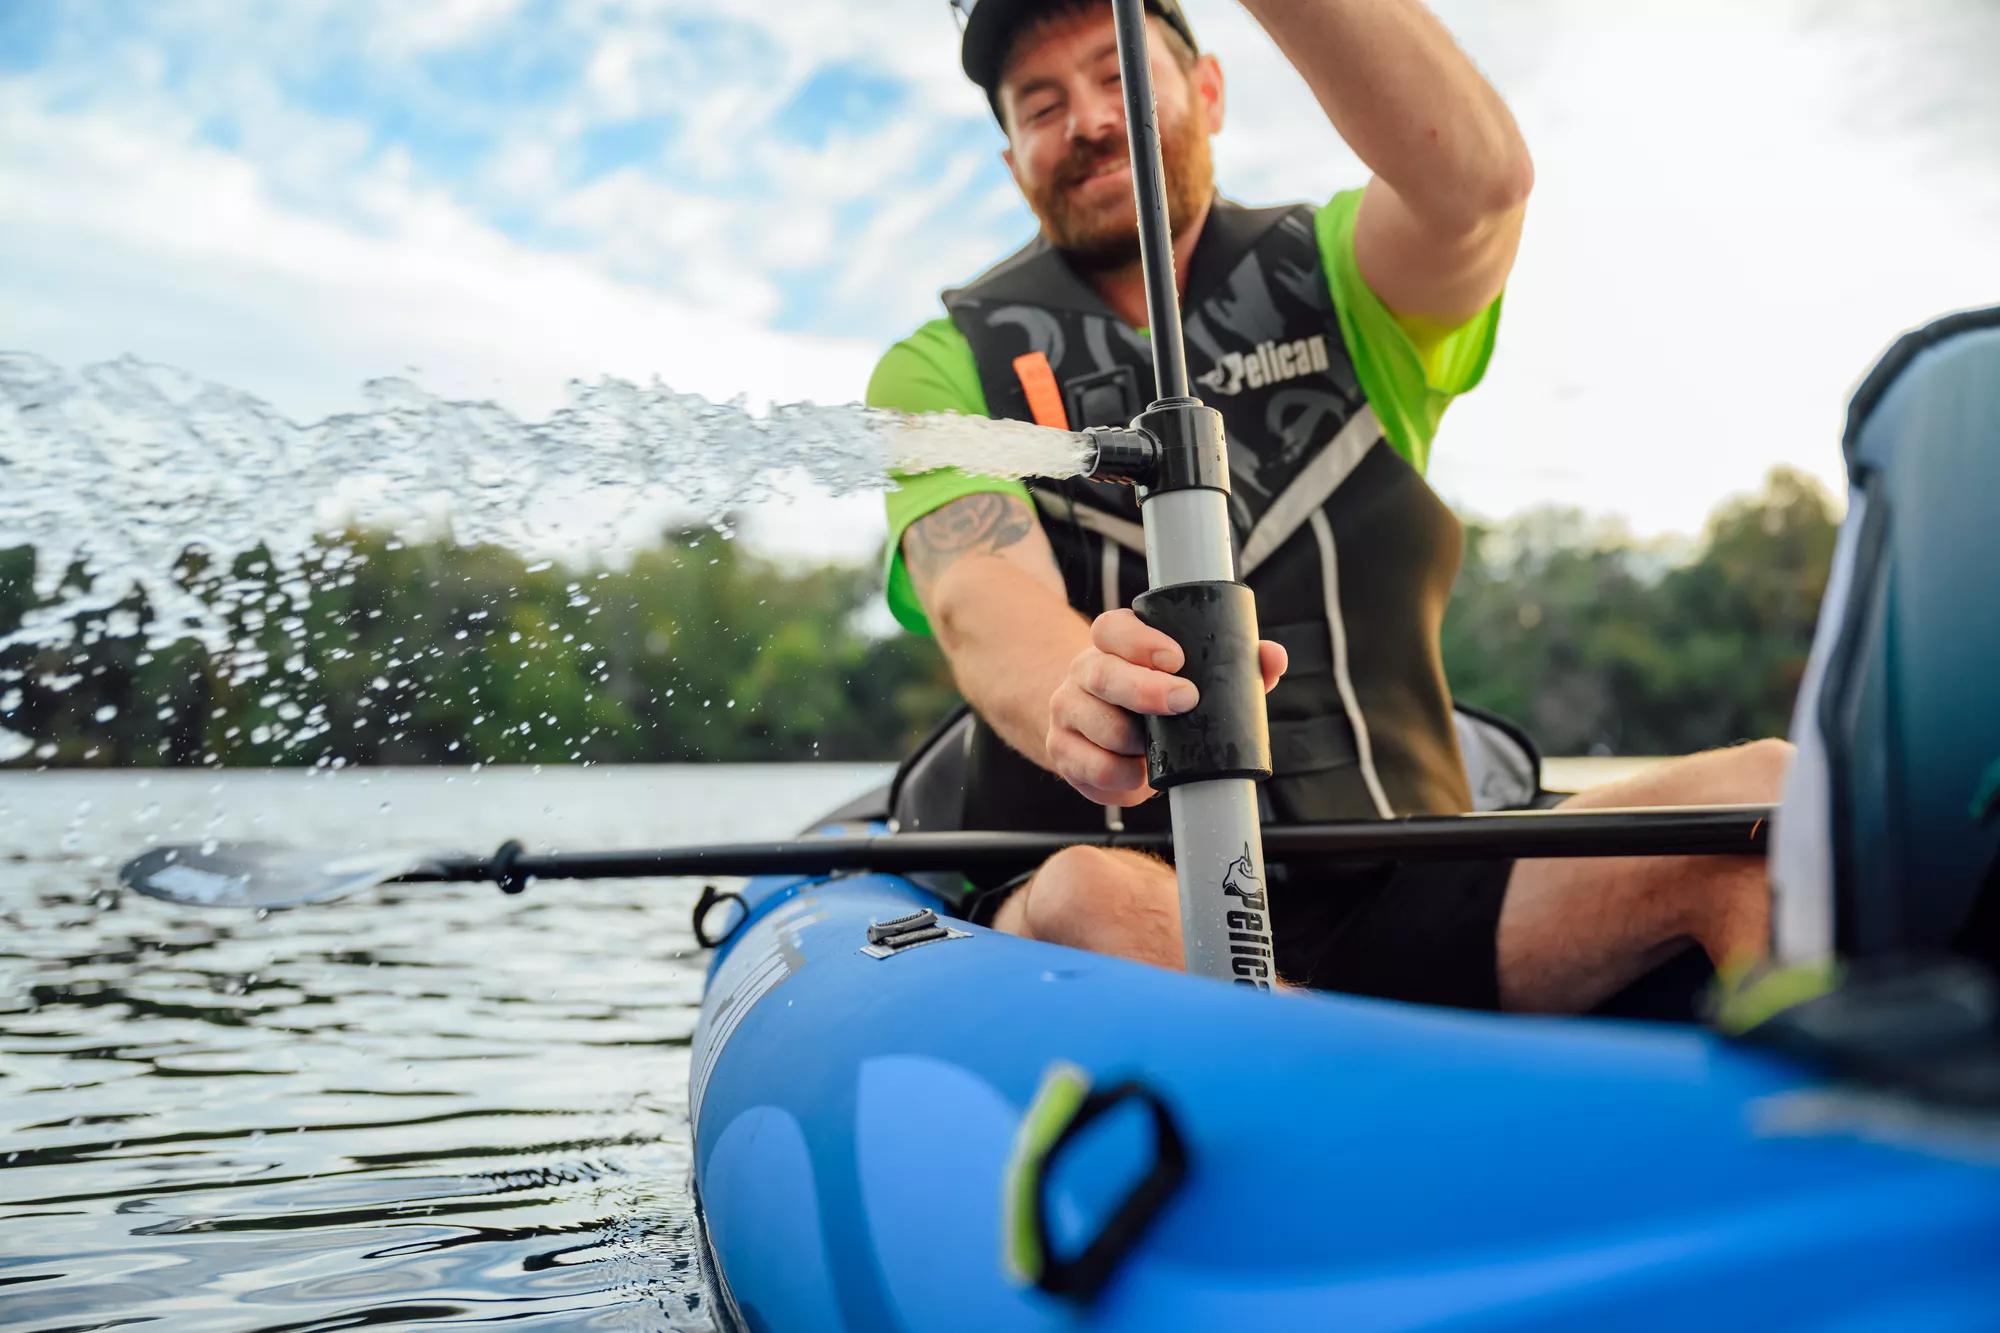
1888	839
1885	855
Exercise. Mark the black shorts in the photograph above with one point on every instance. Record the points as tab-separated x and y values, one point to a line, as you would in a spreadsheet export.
1422	931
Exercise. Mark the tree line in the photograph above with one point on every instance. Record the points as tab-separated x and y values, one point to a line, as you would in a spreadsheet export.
377	651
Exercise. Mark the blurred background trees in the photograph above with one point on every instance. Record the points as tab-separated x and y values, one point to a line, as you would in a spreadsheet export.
384	652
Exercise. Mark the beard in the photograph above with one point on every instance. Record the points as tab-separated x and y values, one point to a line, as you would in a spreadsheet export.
1104	236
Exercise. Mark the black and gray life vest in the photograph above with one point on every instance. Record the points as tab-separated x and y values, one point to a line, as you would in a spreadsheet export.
1351	554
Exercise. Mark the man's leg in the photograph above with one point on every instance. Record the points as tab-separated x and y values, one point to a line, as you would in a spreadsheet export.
1574	932
1115	902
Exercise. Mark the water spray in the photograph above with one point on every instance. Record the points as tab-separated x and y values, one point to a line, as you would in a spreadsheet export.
1210	759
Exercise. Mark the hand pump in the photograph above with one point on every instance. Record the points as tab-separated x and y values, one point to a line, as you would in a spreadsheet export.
1208	760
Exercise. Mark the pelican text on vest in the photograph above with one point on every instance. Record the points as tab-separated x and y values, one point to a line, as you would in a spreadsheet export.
1267	363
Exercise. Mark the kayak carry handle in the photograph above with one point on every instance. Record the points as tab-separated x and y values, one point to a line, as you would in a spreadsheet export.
1063	1107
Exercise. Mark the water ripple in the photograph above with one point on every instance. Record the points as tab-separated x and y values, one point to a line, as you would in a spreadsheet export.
420	1106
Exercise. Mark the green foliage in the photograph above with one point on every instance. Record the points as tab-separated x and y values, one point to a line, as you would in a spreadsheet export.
377	652
1600	647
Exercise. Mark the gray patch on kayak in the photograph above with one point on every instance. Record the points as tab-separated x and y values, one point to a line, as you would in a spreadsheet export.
747	977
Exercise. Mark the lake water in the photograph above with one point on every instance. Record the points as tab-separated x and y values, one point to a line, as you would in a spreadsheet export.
418	1106
423	1105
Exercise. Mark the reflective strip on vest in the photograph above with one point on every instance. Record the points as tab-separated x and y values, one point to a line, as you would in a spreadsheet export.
1329	566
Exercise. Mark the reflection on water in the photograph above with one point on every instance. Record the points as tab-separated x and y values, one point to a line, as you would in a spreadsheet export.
423	1104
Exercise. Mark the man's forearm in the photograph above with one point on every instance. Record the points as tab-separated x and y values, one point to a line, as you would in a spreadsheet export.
1409	102
1010	640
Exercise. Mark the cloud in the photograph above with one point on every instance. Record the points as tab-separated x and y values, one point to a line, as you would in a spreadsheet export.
1725	234
127	241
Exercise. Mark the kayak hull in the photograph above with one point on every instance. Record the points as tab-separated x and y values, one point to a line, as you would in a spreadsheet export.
1352	1163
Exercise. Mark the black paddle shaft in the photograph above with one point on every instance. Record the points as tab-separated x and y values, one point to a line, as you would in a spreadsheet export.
1719	830
1156	236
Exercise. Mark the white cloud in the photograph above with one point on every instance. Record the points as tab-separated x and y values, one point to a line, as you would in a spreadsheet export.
1714	254
402	30
128	242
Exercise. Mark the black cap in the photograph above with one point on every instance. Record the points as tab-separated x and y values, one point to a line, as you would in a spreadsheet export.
990	26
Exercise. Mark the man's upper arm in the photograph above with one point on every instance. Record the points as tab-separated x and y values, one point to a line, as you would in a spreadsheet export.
933	371
1409	368
999	525
1436	278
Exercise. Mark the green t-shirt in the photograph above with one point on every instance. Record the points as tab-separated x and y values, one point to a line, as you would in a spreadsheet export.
1408	385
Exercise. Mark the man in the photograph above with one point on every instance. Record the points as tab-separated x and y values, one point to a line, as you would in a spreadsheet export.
1331	340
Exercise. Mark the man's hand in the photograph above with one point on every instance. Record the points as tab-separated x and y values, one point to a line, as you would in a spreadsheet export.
1095	741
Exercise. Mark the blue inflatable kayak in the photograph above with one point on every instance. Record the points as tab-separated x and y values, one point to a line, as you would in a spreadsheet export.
1348	1163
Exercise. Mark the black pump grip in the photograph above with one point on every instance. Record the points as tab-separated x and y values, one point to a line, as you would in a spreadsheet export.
1226	734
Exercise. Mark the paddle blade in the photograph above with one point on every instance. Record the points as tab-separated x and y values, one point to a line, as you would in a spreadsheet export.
256	874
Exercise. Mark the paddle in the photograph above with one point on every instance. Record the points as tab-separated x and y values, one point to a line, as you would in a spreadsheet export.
263	875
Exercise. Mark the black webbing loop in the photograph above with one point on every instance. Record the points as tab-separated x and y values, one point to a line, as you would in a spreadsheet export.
1081	1276
710	897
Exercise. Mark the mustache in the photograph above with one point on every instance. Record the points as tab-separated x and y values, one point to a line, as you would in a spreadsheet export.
1086	158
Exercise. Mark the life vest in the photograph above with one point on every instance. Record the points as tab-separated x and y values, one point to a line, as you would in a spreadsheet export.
1351	554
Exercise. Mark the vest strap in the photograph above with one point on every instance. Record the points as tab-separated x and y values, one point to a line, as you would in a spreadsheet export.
1312	745
1038	381
1123	531
1307	644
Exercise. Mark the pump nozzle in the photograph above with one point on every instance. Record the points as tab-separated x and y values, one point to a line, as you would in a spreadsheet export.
1124	455
1177	444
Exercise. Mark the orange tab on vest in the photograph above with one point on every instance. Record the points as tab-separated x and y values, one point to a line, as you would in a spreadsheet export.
1038	379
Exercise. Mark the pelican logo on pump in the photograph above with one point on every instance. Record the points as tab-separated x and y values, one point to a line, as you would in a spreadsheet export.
1249	954
1268	362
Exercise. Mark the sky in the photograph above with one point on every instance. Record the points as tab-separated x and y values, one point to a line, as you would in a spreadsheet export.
1738	205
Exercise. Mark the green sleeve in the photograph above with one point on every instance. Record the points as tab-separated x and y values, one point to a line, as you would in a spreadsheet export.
930	371
1408	386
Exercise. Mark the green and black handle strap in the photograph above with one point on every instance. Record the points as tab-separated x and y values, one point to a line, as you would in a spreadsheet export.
1063	1107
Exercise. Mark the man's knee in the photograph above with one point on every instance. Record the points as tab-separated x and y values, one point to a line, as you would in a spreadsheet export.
1081	888
1752	773
1757	773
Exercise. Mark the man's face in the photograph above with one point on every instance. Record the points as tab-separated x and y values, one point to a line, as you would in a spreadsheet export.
1062	103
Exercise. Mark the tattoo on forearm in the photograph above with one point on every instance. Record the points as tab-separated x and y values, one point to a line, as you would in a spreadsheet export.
976	524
